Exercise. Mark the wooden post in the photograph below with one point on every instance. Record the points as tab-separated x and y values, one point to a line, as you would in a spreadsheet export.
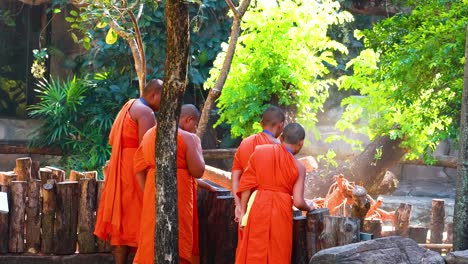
449	231
437	223
299	253
35	167
57	174
315	224
207	217
418	234
339	231
18	191
6	177
75	176
23	168
66	219
402	219
222	235
4	223
90	175
48	218
33	217
374	227
45	174
86	217
102	246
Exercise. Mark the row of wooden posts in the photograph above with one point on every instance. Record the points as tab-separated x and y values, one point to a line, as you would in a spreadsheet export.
51	215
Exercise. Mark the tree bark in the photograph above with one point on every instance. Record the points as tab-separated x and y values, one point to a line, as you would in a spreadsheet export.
102	246
86	217
418	234
438	221
18	191
374	227
299	254
66	219
6	177
402	219
57	174
215	92
175	79
339	231
368	168
460	215
315	223
48	218
23	168
33	217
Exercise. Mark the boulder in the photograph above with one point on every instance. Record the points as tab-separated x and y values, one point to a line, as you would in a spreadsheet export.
457	257
387	250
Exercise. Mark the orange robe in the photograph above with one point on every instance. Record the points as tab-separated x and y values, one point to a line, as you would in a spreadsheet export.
145	159
118	215
246	148
267	237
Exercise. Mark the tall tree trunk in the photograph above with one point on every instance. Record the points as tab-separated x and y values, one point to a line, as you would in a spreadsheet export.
175	79
460	215
215	92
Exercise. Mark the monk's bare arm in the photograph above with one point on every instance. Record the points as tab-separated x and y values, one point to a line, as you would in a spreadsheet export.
298	190
235	178
195	161
141	179
202	184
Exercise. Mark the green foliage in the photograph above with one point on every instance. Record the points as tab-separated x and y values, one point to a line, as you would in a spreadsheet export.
77	116
283	55
209	28
410	77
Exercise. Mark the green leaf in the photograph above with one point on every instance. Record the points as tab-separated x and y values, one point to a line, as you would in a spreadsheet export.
101	24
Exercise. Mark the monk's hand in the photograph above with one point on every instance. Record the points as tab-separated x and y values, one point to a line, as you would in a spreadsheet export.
311	205
237	213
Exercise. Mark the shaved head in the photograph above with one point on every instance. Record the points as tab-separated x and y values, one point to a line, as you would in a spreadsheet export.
154	85
293	133
272	116
189	110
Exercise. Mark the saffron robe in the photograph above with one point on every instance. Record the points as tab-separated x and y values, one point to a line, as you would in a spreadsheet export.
267	238
145	159
119	210
246	148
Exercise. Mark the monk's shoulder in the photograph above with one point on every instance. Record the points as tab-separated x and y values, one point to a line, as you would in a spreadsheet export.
139	110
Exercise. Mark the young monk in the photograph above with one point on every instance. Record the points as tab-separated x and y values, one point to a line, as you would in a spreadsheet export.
272	123
190	165
119	210
272	176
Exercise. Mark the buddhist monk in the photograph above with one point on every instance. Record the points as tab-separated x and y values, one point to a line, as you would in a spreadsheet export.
272	124
272	176
190	165
118	215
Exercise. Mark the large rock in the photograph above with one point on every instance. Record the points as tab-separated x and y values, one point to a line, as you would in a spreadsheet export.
387	250
457	257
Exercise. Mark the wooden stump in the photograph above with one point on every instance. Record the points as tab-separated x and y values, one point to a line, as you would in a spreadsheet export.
4	224
18	191
402	219
374	227
222	236
87	219
76	176
299	253
35	167
437	223
44	175
339	231
315	223
48	218
66	219
57	174
90	174
418	234
449	231
6	177
33	217
102	246
23	168
206	202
